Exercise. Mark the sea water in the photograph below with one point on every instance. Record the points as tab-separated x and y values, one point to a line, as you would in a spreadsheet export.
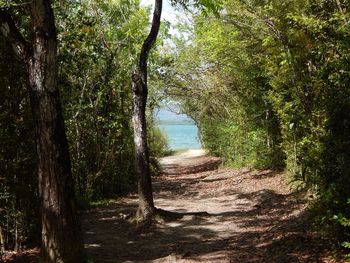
181	136
181	131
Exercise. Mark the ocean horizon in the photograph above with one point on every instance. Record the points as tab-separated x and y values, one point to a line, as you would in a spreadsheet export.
181	131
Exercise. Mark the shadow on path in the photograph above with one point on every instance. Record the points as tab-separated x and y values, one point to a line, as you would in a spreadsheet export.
221	216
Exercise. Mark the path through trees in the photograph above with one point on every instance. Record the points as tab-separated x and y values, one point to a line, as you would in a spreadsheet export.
223	215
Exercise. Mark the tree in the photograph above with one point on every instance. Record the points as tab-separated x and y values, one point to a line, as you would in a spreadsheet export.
276	91
140	90
19	217
101	41
139	86
61	232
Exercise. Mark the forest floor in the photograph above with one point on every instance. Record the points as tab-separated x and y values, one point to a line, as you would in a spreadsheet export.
222	215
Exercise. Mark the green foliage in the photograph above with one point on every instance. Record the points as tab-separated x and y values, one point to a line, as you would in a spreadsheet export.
221	84
18	176
311	96
99	42
158	142
205	6
268	85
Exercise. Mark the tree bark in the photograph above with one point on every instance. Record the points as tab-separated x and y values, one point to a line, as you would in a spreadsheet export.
61	231
139	85
2	243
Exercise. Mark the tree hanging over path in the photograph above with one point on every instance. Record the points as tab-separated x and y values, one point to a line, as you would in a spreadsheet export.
140	90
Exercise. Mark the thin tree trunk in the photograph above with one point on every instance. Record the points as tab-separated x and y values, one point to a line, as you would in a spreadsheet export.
339	7
139	84
2	243
16	237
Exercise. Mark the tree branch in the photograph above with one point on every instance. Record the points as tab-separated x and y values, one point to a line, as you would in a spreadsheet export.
150	40
339	6
10	31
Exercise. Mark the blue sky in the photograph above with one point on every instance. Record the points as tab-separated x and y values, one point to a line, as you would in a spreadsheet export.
169	13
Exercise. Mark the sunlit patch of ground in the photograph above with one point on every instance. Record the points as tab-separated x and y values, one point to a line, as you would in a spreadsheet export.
224	215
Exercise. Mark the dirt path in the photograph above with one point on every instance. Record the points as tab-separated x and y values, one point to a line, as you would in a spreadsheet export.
225	215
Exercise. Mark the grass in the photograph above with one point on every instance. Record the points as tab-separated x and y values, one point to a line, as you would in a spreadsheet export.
103	202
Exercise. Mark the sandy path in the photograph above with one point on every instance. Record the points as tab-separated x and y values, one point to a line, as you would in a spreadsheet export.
225	215
192	153
191	161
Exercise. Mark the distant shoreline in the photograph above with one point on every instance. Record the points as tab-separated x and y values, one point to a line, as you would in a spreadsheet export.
180	132
163	122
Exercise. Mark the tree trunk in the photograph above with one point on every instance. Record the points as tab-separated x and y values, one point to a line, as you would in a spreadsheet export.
16	241
61	232
139	85
2	243
146	205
